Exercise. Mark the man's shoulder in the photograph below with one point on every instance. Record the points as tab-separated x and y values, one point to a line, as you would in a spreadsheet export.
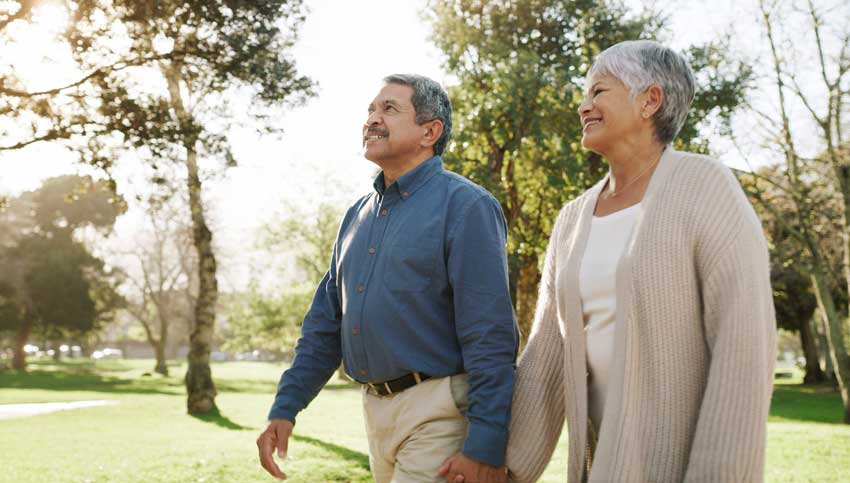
357	207
461	189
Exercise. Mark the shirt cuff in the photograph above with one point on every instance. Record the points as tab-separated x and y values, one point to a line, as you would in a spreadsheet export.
486	444
282	413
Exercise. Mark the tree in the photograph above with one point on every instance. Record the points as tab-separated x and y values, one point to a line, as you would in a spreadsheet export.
519	64
795	305
55	112
312	233
161	277
183	62
51	282
791	270
261	321
272	321
818	184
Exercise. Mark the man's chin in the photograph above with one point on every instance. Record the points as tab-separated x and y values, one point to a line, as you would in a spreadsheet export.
373	155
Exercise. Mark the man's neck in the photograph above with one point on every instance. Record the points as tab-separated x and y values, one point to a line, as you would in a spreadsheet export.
393	171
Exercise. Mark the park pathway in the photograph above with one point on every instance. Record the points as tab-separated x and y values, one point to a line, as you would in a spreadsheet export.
10	411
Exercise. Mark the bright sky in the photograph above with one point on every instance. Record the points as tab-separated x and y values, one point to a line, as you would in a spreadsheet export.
347	47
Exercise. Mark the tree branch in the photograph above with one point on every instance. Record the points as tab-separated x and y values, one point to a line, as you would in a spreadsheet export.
823	123
102	71
23	11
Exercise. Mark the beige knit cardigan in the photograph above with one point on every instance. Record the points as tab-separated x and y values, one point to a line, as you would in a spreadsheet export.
695	340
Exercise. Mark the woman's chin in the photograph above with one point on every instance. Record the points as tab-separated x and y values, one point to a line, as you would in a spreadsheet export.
588	143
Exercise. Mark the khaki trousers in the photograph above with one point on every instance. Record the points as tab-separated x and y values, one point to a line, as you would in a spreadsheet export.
413	432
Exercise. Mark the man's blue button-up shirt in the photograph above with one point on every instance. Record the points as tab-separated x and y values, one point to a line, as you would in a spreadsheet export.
418	281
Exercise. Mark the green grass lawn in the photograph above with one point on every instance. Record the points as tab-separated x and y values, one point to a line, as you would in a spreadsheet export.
148	437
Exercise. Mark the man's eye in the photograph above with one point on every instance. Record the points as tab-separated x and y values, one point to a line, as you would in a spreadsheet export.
390	108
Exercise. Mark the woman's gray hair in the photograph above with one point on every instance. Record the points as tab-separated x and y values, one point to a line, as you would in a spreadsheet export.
640	64
430	101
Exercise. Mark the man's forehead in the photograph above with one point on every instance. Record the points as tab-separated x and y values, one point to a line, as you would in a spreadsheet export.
396	93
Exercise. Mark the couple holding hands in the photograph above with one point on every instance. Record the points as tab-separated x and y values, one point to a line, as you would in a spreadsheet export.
654	333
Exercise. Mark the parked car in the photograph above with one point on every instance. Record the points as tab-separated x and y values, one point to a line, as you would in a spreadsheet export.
219	356
108	354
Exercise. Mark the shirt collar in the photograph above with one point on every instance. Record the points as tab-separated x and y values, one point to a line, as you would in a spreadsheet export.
411	181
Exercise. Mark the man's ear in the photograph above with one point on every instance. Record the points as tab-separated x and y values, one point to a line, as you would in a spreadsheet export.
433	131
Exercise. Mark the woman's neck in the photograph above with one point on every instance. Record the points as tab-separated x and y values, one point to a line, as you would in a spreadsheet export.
632	161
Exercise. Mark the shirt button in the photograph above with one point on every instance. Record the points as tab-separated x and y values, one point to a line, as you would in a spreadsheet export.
385	212
405	195
355	331
372	250
362	372
361	288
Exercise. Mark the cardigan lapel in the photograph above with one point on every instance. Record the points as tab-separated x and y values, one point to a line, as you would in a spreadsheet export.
615	415
570	314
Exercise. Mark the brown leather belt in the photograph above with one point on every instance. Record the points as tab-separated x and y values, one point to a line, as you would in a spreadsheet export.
397	385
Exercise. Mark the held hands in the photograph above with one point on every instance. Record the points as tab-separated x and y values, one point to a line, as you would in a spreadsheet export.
460	469
276	435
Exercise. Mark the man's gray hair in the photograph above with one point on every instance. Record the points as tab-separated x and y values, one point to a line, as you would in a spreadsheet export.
640	64
430	101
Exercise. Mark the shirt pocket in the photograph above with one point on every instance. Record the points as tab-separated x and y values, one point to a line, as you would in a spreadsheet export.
411	264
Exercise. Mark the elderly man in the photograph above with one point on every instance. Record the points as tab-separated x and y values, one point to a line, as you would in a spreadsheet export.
416	304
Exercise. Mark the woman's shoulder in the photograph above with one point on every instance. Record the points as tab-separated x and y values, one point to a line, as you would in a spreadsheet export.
702	167
714	197
710	184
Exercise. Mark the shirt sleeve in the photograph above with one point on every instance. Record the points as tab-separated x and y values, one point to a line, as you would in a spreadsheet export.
485	325
318	352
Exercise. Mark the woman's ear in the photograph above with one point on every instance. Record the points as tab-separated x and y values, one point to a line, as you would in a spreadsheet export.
651	100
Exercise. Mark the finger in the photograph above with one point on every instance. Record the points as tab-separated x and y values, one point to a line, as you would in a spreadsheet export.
282	433
454	476
266	447
447	464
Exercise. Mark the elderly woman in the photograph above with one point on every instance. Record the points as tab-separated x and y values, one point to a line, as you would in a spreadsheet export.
654	333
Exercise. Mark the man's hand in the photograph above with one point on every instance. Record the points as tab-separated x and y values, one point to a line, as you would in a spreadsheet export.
460	469
276	435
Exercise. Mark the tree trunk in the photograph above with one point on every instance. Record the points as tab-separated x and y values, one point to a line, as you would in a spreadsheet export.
835	339
199	384
822	327
814	375
526	295
161	366
19	358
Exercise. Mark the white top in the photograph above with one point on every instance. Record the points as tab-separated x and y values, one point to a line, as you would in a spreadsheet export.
597	285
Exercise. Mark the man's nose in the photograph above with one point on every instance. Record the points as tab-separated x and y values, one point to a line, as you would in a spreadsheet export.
374	119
